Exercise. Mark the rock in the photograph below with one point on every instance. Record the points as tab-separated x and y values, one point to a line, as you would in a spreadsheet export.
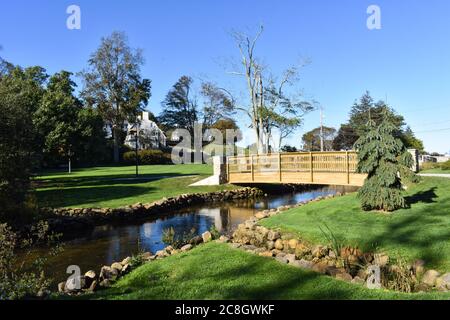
126	261
279	244
293	244
281	259
196	240
290	258
320	267
270	245
91	274
319	251
126	268
106	283
61	287
430	277
444	281
380	259
261	215
186	248
207	237
108	273
418	267
250	224
358	280
273	235
422	287
266	254
301	250
146	256
161	254
304	264
169	249
344	277
75	284
224	239
235	245
117	266
333	271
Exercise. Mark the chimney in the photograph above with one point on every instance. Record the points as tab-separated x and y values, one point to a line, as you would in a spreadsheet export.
145	115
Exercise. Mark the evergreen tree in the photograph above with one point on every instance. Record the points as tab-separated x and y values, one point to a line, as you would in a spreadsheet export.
386	161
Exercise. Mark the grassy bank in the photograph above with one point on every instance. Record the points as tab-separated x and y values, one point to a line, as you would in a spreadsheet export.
420	232
216	271
112	187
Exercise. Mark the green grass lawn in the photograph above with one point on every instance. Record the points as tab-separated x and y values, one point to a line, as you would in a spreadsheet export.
437	170
420	232
112	187
216	271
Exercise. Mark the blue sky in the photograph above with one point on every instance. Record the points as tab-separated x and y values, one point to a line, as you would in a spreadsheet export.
407	61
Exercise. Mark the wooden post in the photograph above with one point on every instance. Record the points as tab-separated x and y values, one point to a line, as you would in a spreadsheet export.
311	166
347	160
253	169
279	166
228	169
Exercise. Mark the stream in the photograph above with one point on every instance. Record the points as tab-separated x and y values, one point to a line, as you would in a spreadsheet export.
110	243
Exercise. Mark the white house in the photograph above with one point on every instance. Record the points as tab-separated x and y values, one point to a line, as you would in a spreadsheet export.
150	135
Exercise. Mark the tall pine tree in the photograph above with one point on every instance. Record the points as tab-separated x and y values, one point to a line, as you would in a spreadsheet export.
386	161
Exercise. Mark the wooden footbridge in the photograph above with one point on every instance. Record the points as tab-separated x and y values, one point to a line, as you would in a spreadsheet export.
324	168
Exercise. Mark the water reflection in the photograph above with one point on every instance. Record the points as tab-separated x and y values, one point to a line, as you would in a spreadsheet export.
110	243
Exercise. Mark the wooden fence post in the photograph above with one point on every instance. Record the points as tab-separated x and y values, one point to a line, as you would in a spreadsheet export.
279	167
253	169
347	160
311	166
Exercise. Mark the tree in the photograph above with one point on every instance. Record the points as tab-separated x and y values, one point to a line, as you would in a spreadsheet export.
270	106
56	119
20	93
68	130
366	110
223	125
345	138
311	139
114	86
411	141
384	158
218	105
179	107
288	148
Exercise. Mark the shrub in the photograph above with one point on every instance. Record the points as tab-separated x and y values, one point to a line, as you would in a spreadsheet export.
147	157
445	165
20	280
170	237
386	161
430	166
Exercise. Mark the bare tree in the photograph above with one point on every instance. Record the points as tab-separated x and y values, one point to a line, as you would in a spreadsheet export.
270	104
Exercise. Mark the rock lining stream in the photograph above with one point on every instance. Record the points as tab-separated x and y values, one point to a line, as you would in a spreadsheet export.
112	242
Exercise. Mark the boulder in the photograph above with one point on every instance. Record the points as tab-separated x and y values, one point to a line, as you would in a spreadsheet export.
61	287
270	245
273	235
419	267
279	244
108	273
207	237
117	266
261	215
106	283
224	239
186	248
126	261
358	280
444	281
196	240
301	249
146	256
304	264
344	277
282	259
91	274
266	254
75	284
320	267
293	244
319	251
430	277
290	258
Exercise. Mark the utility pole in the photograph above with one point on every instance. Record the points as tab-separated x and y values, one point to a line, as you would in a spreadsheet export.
321	129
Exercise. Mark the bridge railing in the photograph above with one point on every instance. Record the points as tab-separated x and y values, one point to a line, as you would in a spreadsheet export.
299	167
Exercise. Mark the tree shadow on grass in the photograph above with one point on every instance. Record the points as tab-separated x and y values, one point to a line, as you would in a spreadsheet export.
104	180
427	196
71	197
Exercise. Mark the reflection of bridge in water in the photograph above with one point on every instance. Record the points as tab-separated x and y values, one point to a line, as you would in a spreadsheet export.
324	168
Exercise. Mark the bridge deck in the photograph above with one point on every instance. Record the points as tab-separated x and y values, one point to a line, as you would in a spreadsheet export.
325	168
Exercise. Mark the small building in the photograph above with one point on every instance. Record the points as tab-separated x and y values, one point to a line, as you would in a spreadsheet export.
150	135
